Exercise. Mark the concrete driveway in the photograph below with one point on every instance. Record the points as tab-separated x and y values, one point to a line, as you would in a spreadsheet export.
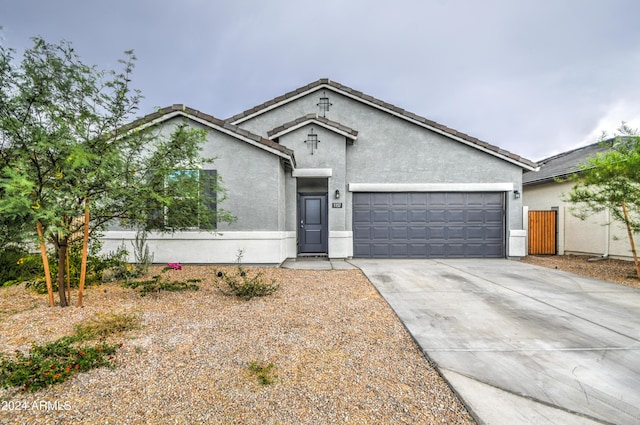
521	344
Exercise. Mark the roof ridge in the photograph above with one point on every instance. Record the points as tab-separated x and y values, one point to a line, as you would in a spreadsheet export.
183	109
389	108
313	116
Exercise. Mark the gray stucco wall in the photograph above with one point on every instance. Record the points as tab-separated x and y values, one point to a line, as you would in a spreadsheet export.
253	177
330	153
392	150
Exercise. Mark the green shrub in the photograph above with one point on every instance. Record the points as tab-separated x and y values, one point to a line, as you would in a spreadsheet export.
18	265
161	283
243	286
52	363
105	324
57	361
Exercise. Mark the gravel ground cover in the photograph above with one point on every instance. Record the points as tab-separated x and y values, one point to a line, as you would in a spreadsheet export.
618	271
339	355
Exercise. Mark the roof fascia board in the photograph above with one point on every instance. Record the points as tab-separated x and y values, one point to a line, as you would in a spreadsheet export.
206	123
382	108
315	121
278	104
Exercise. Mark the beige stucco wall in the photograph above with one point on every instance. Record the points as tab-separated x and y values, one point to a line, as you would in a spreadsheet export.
596	235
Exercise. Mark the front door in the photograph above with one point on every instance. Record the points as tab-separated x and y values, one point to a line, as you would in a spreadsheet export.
312	226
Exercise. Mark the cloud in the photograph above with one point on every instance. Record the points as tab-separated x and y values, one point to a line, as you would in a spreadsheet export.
530	76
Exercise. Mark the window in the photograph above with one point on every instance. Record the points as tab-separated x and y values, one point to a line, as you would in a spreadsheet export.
191	201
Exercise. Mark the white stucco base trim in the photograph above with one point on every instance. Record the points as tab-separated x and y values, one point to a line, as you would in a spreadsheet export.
431	187
208	248
517	243
340	244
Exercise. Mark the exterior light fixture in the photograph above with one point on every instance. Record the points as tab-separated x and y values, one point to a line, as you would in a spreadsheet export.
516	194
337	194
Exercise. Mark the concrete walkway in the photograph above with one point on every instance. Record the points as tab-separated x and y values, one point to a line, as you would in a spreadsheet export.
317	263
521	344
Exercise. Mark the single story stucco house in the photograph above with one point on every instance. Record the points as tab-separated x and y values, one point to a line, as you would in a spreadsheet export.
545	191
326	170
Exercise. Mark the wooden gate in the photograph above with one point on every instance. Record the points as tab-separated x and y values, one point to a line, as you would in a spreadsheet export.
542	232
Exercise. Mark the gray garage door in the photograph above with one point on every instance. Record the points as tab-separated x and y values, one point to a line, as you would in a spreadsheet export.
428	225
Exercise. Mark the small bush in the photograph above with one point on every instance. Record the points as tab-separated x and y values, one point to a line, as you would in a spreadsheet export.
243	286
52	363
263	372
161	283
105	324
57	361
18	265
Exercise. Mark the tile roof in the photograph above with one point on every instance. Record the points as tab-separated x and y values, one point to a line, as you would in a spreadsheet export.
178	109
325	122
329	84
564	164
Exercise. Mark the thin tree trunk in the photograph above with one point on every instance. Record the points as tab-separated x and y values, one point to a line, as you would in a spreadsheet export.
85	251
633	245
68	273
45	263
62	254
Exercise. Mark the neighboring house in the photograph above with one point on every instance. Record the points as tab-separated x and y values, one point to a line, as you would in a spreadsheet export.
544	194
327	170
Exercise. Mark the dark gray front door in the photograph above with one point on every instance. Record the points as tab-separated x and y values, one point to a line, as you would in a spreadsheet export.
312	226
429	225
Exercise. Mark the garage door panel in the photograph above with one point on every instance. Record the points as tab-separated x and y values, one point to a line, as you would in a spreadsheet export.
362	250
493	217
400	233
399	250
475	233
494	233
399	216
362	233
400	199
380	233
361	215
456	199
428	225
380	216
476	216
418	216
417	233
380	250
437	250
437	216
437	199
456	216
436	233
417	250
418	199
455	233
380	199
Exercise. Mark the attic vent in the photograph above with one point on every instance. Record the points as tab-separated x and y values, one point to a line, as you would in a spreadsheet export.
324	104
312	141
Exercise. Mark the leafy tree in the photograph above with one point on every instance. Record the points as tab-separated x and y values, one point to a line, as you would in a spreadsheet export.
611	180
64	146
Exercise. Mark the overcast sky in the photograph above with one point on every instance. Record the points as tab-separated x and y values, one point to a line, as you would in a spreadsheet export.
535	77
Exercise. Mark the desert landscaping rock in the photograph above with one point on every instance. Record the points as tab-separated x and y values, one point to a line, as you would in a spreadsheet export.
340	355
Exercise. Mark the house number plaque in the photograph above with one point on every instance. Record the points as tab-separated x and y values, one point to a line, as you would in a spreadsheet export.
336	205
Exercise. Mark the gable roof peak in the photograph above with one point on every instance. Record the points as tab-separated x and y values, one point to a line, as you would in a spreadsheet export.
322	121
387	107
179	109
